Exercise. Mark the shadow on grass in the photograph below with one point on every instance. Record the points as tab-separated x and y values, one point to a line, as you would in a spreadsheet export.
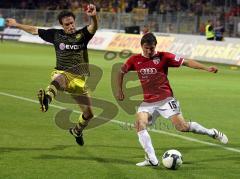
218	158
14	149
114	146
86	158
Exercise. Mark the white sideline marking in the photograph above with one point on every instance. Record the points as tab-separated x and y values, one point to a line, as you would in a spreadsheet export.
123	123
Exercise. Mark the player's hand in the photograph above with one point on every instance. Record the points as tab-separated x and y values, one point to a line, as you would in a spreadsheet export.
120	95
91	10
212	69
11	22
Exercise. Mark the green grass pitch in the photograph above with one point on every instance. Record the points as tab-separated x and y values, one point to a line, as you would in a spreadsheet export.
33	146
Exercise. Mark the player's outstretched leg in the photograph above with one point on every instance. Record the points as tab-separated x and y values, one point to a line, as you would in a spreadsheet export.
183	126
199	129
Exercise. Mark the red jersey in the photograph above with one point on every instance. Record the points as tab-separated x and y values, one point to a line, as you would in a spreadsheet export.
152	73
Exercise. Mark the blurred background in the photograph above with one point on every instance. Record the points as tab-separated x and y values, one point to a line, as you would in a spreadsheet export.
175	16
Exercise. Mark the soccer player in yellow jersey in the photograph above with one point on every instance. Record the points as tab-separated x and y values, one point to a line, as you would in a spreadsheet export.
71	63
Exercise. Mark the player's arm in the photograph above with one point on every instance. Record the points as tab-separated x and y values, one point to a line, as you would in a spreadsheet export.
120	76
91	12
125	68
196	65
27	28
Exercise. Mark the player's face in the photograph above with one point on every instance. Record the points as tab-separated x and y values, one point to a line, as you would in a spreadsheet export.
148	50
68	24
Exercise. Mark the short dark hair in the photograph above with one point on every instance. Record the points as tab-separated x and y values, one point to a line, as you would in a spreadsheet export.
149	38
63	14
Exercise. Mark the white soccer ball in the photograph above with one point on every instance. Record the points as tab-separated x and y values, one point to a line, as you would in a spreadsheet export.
172	159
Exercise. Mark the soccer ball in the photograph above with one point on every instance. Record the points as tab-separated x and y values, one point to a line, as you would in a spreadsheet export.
172	159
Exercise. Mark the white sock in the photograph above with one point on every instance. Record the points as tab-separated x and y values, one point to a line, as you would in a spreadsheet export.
199	129
145	141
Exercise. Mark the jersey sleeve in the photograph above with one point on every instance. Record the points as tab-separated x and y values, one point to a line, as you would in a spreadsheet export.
88	36
173	60
128	65
47	35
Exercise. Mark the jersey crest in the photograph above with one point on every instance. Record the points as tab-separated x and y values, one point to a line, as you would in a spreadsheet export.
79	36
156	60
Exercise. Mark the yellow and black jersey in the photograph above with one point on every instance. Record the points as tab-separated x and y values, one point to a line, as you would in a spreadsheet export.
71	49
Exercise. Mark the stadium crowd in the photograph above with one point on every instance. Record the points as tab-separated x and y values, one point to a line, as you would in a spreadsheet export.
198	7
217	10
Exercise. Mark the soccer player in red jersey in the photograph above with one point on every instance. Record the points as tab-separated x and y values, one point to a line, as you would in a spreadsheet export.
152	68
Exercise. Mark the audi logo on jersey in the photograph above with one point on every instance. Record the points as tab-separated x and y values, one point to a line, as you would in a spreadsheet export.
148	71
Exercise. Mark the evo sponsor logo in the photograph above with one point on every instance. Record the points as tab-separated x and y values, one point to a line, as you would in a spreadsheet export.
63	46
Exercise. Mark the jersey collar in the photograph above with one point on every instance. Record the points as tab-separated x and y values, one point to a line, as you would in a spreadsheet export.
148	57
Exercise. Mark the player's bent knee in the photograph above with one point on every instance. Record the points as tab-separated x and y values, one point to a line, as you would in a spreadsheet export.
141	121
140	125
61	80
179	123
183	130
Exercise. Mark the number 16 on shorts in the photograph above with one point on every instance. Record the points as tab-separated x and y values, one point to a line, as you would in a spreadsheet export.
173	104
